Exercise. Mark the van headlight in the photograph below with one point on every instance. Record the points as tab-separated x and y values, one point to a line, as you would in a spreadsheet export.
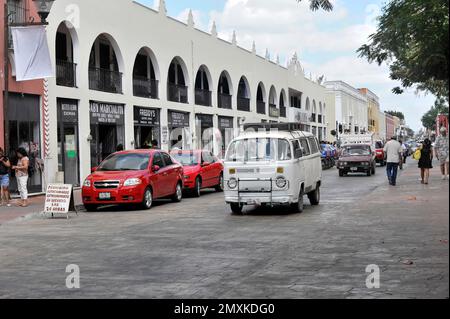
232	183
281	182
87	183
132	182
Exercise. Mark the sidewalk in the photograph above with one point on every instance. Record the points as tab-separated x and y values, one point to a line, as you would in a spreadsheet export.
8	214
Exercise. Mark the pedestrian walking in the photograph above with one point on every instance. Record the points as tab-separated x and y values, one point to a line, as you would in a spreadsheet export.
5	166
393	151
21	170
426	161
441	150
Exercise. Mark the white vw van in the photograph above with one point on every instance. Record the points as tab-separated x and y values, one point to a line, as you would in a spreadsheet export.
272	164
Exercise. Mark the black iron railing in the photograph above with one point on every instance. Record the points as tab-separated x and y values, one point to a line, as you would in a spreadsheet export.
224	101
177	93
66	73
18	14
319	118
243	104
313	118
203	97
105	80
283	112
273	111
144	87
261	107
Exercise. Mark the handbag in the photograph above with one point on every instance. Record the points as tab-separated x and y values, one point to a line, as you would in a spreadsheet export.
417	155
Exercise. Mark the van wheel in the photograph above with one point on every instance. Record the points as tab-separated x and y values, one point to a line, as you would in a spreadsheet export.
178	196
147	200
314	196
219	187
197	192
300	205
91	208
236	208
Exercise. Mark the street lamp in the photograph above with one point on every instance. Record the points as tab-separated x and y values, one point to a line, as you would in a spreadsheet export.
43	8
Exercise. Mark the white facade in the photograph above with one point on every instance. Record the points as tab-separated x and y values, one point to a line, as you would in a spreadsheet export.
351	107
122	29
382	126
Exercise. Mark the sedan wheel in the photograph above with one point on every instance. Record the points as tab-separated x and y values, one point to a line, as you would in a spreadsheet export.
197	188
147	201
178	196
220	187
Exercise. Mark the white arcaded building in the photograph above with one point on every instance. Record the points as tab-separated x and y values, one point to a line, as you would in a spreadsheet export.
130	75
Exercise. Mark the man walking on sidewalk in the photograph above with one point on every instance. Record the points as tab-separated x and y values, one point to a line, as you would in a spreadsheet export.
441	149
393	150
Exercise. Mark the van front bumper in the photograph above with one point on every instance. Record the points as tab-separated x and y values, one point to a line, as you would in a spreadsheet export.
258	198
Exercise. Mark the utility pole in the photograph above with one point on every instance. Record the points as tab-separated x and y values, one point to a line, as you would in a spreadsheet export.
6	75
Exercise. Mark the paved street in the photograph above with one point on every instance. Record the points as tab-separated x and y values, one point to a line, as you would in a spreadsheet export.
197	249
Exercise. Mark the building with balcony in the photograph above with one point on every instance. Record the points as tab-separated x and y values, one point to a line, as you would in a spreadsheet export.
350	107
373	109
150	77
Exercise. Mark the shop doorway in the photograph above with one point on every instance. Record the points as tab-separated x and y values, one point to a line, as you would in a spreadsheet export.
107	130
205	132
179	132
146	128
24	132
68	150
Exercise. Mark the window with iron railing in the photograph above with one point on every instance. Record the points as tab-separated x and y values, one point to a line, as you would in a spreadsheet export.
177	93
105	80
66	73
243	104
145	87
18	13
203	97
224	101
261	107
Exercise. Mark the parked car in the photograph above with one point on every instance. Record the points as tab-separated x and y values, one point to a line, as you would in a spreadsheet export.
379	153
273	168
201	169
357	158
133	177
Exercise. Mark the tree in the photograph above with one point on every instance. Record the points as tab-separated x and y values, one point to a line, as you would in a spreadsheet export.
400	115
429	119
320	4
412	39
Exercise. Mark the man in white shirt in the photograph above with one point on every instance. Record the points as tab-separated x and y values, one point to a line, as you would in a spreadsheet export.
393	150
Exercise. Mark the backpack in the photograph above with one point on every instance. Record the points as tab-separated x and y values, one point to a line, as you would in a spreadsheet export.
417	155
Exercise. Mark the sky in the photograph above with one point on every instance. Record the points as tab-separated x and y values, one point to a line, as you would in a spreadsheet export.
326	42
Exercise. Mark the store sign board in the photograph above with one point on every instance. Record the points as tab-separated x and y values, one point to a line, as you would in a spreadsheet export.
69	112
178	119
107	113
146	116
225	122
59	199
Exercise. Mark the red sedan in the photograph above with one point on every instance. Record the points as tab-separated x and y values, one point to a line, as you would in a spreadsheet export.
133	177
201	170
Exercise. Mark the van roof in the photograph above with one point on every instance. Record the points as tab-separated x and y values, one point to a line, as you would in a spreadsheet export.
274	134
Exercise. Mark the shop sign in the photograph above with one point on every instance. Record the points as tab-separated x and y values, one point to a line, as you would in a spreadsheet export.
206	120
225	122
105	113
178	119
146	116
69	112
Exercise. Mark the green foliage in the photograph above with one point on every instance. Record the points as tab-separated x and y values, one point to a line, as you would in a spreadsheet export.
400	115
412	38
320	4
429	119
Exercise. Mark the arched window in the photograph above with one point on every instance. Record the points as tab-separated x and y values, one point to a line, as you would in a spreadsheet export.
243	95
66	48
261	99
145	75
177	90
224	92
283	112
202	87
105	65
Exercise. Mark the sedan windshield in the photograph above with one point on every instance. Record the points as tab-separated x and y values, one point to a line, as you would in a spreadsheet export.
186	158
356	150
258	150
125	162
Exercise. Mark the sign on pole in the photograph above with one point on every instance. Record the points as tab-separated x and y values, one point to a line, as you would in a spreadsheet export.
59	199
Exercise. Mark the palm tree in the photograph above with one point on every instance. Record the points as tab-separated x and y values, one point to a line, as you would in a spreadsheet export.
318	4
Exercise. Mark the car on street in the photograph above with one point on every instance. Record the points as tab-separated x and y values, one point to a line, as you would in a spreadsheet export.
133	177
273	167
379	153
201	169
357	158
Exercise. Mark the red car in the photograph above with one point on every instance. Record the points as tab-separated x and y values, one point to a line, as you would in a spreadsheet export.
133	177
379	153
201	170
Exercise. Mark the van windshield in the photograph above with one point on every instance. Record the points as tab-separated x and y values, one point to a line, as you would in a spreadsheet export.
259	150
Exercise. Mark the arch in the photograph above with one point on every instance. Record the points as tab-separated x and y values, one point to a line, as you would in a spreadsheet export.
177	81
314	107
146	74
66	54
225	84
261	99
320	108
243	95
283	98
273	97
202	84
106	65
308	105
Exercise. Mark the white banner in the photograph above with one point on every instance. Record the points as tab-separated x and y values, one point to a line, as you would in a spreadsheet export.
31	53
